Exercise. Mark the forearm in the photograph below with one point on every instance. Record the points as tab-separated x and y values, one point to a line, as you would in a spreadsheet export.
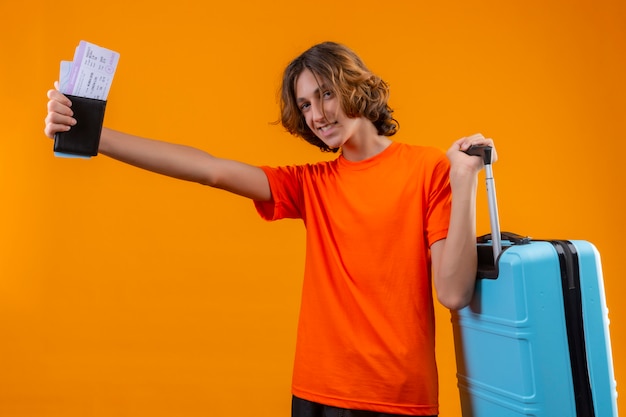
455	258
455	272
178	161
186	163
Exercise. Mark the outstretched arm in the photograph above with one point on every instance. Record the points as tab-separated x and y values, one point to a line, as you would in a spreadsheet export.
178	161
454	258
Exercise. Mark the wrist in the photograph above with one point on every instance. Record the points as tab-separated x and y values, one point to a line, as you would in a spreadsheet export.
463	180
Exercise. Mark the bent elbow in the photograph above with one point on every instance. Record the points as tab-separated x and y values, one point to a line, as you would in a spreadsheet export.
455	301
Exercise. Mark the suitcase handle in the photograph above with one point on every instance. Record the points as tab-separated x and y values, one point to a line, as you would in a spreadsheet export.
485	152
514	238
487	264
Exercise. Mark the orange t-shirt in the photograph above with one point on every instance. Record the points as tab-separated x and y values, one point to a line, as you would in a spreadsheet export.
366	337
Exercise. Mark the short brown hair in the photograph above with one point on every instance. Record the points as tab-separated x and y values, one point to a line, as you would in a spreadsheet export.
361	93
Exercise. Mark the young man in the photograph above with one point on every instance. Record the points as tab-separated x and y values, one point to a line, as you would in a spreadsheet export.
379	218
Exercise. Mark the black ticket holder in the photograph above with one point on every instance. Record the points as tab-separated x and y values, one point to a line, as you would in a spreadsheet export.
83	138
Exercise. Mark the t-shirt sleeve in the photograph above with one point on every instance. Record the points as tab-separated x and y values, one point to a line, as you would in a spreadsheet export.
439	201
286	187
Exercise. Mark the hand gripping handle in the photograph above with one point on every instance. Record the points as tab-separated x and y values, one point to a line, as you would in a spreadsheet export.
485	152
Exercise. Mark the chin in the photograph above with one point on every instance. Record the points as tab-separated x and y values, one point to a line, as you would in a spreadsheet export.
333	144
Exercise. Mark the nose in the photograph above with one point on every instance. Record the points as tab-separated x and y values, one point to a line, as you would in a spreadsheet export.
317	112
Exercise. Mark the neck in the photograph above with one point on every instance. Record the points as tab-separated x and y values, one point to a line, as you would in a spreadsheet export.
365	145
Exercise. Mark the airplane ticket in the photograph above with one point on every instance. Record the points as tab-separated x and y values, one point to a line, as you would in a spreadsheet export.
91	72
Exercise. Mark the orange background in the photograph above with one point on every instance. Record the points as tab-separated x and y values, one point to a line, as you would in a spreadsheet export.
125	293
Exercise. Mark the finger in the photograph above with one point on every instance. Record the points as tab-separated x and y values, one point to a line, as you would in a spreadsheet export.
476	136
59	118
60	97
52	128
465	142
475	139
55	106
57	122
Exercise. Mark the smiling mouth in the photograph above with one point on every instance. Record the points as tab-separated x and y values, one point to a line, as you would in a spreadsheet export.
326	127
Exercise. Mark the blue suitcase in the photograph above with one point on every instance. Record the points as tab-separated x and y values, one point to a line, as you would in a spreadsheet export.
534	340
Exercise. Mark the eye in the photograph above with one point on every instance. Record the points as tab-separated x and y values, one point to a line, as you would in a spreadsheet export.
327	94
305	106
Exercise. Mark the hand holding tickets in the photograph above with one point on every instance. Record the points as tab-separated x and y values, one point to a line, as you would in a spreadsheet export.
86	81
